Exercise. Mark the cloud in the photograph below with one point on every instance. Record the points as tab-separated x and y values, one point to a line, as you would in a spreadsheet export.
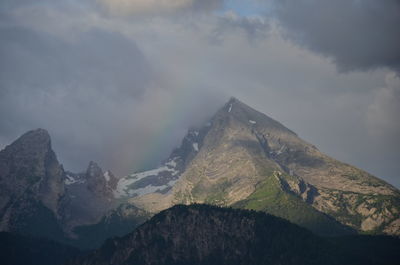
85	90
255	27
383	112
146	7
355	34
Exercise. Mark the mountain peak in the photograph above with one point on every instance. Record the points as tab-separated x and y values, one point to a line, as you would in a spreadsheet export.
94	170
37	133
232	100
34	139
34	145
240	111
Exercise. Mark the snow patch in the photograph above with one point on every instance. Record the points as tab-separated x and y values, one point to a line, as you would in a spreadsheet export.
72	180
107	176
196	147
151	189
123	189
230	107
252	122
171	163
280	151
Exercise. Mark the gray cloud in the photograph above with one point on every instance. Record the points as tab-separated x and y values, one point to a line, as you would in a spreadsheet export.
255	27
82	89
383	112
356	34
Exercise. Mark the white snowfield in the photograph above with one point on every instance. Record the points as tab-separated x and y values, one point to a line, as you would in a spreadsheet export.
71	180
196	147
252	122
107	176
123	189
150	189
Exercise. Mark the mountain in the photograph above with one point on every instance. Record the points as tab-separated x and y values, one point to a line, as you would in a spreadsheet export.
23	250
243	158
32	191
203	234
38	198
95	188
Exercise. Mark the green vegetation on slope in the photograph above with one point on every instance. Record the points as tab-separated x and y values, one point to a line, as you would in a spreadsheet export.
271	198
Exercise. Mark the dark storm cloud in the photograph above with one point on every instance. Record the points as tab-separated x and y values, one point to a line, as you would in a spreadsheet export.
356	34
255	27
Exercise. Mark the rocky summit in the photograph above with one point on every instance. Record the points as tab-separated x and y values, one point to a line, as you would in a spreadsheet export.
32	190
245	159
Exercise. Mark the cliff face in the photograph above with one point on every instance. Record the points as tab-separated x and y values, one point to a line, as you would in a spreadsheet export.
32	183
243	158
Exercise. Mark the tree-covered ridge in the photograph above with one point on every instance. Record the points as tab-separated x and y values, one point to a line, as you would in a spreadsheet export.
204	234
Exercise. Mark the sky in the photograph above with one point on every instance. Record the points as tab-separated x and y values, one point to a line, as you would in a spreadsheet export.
120	81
